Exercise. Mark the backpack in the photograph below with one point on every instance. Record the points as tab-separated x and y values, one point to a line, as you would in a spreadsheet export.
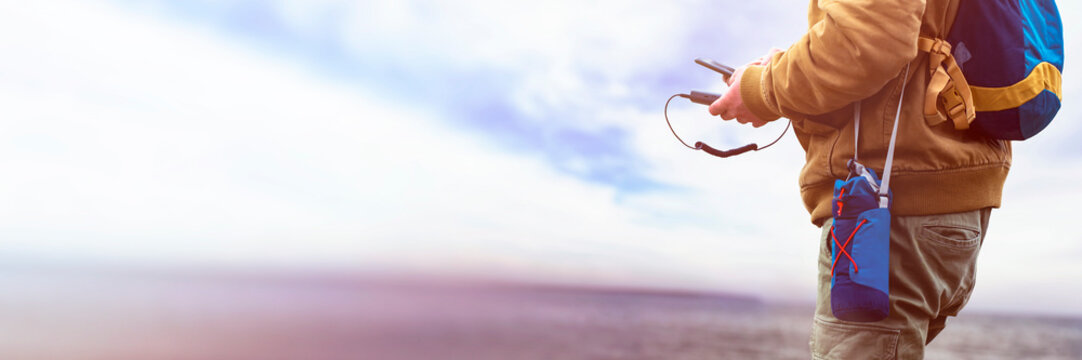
999	69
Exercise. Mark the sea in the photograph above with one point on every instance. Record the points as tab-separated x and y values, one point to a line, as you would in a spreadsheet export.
117	314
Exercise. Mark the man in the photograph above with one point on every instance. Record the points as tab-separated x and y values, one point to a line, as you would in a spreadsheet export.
944	181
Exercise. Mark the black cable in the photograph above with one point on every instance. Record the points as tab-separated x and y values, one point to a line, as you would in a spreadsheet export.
670	124
779	136
700	145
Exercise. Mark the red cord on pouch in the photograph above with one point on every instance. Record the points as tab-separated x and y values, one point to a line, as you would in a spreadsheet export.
840	203
841	250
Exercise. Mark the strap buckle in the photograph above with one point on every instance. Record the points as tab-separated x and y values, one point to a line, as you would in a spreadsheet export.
948	95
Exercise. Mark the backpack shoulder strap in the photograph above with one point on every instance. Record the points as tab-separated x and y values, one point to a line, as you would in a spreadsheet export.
948	84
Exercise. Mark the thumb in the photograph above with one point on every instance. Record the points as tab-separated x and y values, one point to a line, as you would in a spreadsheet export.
717	106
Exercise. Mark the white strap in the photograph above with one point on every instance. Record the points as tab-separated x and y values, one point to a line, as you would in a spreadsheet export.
885	188
856	131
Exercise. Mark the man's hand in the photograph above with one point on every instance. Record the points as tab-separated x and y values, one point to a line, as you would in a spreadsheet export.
731	105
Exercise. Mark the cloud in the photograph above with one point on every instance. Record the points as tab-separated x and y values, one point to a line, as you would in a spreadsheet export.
527	74
120	152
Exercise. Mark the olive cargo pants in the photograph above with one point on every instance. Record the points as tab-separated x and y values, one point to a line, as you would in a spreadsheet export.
932	272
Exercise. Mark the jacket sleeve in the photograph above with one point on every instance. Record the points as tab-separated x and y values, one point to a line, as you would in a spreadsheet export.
857	47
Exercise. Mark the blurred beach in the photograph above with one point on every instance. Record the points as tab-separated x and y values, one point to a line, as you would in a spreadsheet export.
109	313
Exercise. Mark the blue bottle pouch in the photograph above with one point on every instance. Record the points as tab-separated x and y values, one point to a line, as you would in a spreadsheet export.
860	249
860	235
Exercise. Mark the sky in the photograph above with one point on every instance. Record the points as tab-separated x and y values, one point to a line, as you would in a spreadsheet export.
514	139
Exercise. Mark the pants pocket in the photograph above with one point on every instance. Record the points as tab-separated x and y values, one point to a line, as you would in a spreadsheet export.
953	237
835	340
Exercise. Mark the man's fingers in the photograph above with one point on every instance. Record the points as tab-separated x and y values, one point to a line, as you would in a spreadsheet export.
727	115
751	118
716	107
725	105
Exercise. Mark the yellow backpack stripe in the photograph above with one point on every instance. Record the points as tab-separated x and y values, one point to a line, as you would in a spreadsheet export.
1044	76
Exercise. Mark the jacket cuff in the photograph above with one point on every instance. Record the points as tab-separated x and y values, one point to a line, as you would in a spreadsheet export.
751	91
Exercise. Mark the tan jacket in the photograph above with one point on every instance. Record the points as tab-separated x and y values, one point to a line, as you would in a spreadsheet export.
858	50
